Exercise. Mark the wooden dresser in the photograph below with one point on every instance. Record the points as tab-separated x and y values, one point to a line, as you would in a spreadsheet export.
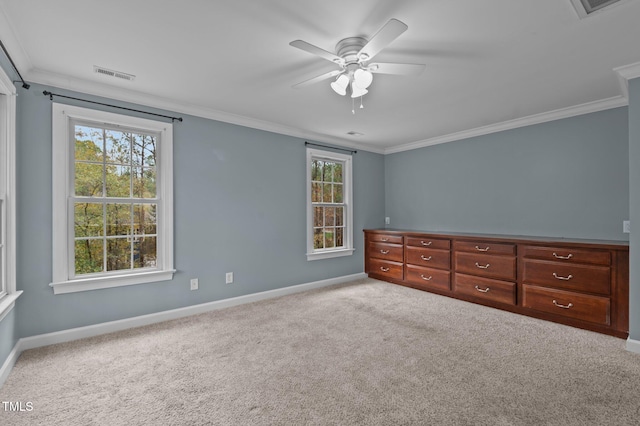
582	283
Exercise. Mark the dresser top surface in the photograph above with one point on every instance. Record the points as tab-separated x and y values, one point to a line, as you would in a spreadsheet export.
518	239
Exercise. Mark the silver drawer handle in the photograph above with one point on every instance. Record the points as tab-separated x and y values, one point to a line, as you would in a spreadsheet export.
482	290
426	244
483	249
384	239
557	256
425	258
562	278
384	251
426	278
383	269
483	267
569	306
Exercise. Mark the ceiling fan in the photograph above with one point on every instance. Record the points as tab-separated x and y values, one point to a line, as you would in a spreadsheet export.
353	57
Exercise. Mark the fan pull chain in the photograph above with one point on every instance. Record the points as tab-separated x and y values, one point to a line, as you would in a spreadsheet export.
361	106
353	106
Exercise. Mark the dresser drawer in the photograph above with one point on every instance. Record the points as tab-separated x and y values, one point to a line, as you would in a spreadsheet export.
485	288
386	251
583	278
567	255
386	268
428	278
566	303
386	238
485	247
432	243
428	257
500	267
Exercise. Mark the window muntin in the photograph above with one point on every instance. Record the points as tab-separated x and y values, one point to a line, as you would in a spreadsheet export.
329	205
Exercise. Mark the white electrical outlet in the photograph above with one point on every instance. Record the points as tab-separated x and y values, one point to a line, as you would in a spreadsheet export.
626	226
229	278
387	220
194	284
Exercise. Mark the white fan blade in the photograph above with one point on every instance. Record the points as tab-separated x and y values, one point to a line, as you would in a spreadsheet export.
399	69
389	32
317	79
314	50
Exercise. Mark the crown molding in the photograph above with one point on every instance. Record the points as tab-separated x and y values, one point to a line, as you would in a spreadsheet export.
168	105
586	108
11	42
626	73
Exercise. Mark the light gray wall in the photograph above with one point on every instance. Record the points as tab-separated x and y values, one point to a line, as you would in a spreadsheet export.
634	208
565	178
239	206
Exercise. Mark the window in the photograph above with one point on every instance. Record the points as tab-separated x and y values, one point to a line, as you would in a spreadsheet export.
8	293
329	205
112	200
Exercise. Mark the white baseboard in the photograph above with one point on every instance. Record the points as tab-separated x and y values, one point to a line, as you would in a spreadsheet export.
633	345
9	363
139	321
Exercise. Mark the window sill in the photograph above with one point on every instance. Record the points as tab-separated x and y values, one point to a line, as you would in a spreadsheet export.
86	284
7	303
330	254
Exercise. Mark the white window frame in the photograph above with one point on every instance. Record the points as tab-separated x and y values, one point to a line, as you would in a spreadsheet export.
8	292
348	249
63	232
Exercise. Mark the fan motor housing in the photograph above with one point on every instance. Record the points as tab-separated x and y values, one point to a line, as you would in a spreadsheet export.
348	48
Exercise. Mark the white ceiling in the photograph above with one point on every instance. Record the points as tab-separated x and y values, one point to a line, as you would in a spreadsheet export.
488	63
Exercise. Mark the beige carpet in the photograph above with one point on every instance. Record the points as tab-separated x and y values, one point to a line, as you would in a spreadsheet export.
367	353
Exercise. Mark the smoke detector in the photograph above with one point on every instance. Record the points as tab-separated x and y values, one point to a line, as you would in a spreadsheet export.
112	73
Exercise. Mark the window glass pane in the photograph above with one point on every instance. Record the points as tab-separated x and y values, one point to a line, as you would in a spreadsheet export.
337	173
327	174
118	254
316	170
318	217
339	237
144	252
118	219
118	181
329	216
88	180
89	144
339	216
318	239
144	182
89	256
118	147
316	192
144	150
88	220
326	193
337	193
145	219
329	238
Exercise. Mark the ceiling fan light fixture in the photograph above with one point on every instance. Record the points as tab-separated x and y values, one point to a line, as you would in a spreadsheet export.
340	85
362	78
356	91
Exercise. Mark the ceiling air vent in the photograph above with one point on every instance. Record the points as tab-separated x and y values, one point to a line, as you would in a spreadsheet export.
353	133
116	74
587	7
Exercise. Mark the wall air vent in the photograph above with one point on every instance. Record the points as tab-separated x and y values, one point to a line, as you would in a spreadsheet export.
111	73
587	7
